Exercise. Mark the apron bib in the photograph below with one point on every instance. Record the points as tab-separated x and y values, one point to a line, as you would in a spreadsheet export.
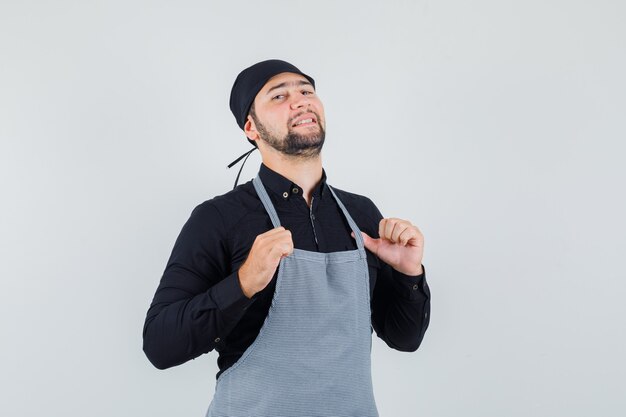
312	354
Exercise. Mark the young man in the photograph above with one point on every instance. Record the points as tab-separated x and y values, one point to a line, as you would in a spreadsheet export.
285	276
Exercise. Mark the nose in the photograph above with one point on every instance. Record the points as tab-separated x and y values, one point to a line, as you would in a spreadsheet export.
300	101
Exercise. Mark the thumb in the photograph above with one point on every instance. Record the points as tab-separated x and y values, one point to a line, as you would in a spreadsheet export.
370	243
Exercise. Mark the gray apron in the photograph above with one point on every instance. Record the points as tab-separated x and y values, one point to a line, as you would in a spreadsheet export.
312	354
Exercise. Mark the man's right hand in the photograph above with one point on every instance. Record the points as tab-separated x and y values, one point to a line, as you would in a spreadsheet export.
265	255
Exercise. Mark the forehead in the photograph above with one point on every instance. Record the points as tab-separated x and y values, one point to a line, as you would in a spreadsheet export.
283	78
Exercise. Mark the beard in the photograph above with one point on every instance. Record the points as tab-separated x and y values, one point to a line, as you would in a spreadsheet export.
302	145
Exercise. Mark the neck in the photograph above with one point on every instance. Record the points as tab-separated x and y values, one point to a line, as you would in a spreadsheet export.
306	172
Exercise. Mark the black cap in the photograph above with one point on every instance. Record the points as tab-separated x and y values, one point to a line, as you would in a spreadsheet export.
251	80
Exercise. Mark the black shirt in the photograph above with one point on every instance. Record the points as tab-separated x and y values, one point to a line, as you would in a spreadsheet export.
199	305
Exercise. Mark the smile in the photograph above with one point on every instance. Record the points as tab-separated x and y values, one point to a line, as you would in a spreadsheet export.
305	121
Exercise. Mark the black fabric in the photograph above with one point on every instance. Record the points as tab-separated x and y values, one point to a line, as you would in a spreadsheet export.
199	305
250	81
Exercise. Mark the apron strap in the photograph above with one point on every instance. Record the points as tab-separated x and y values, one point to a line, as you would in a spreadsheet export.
269	207
265	199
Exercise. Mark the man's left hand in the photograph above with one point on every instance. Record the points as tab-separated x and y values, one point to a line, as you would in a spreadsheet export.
401	245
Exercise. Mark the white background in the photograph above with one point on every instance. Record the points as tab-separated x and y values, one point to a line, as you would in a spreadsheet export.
497	127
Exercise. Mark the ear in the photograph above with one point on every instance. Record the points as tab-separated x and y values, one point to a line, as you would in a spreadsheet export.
250	129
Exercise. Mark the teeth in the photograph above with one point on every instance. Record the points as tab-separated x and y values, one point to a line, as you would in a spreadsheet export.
304	121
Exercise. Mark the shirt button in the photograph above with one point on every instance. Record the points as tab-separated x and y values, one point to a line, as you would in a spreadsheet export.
295	190
285	194
217	340
415	287
312	216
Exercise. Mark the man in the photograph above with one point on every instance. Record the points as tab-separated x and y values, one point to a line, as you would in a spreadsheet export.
285	276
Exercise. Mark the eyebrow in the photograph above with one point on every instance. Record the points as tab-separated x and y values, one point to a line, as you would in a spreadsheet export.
285	84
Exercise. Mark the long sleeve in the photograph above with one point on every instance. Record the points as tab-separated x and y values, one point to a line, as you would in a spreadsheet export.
198	300
400	308
400	304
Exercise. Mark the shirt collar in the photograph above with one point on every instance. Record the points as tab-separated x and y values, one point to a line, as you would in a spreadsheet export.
285	188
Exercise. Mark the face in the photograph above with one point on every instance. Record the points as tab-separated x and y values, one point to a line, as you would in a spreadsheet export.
288	116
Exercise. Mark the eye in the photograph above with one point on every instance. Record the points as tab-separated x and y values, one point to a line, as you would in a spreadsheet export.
278	97
308	93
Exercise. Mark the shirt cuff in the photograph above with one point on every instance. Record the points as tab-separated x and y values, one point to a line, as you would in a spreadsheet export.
410	287
229	296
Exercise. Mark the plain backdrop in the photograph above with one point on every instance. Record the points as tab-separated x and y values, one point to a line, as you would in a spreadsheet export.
497	127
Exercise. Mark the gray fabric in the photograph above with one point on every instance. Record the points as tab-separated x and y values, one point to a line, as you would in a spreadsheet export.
312	355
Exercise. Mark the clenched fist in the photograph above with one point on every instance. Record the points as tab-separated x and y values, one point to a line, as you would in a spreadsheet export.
265	255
